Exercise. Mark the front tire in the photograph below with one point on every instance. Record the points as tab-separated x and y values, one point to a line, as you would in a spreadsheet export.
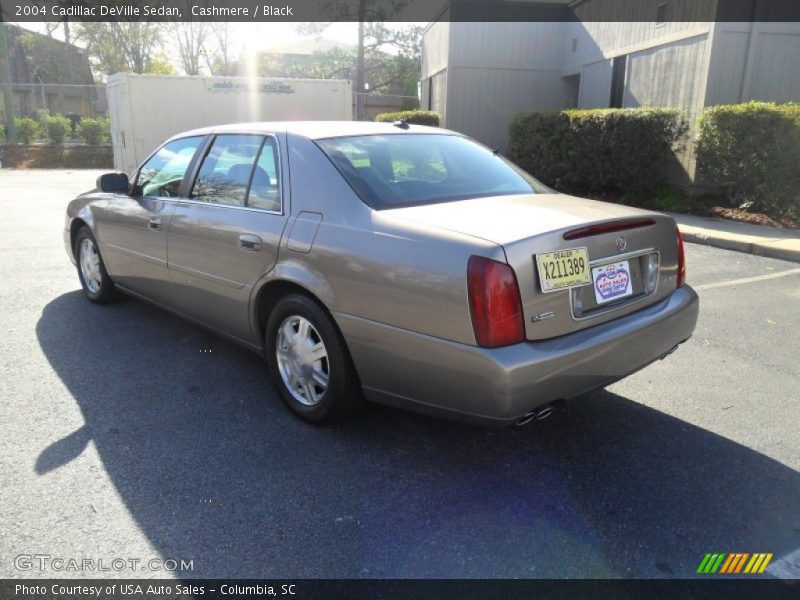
96	283
309	361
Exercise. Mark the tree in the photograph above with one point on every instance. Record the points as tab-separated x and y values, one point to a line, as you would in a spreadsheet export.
47	58
337	63
219	61
191	38
365	11
121	46
392	57
5	82
390	60
160	65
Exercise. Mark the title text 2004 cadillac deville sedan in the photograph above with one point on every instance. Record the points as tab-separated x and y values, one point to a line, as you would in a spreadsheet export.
403	264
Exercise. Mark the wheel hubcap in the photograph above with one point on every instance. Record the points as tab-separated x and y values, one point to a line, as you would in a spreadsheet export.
90	266
302	360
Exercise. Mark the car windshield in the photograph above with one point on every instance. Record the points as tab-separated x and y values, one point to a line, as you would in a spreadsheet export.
391	171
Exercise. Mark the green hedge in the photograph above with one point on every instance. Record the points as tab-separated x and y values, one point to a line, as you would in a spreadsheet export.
753	149
93	131
27	129
605	150
415	117
57	127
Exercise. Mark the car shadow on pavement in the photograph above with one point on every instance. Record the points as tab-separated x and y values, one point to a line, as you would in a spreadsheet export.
214	469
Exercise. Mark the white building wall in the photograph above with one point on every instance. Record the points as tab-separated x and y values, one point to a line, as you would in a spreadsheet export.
435	44
754	61
496	70
595	85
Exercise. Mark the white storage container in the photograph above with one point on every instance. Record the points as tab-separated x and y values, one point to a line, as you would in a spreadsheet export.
147	109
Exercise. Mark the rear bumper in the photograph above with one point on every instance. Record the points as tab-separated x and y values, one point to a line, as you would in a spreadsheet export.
499	386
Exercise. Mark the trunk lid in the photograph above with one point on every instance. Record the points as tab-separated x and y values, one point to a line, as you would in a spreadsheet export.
528	225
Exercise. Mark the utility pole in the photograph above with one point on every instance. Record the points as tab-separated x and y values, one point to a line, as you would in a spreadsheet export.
5	82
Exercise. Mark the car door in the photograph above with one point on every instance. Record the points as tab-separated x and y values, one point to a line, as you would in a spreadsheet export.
225	236
132	228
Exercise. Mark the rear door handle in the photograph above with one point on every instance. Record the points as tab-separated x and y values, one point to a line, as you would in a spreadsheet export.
155	223
250	242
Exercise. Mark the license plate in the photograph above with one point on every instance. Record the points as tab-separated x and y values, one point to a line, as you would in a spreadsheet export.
563	269
612	281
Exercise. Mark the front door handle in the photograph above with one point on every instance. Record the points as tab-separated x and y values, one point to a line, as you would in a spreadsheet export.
155	223
250	242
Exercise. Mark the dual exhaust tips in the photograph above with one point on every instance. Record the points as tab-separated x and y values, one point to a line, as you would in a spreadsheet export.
539	413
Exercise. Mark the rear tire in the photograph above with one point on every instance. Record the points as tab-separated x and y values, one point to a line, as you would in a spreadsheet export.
309	361
96	283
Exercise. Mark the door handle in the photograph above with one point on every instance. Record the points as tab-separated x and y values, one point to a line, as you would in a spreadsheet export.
155	223
250	242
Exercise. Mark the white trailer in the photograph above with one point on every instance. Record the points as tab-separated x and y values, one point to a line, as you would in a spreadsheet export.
147	109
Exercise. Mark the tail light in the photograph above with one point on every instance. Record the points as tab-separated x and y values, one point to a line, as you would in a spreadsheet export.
681	261
494	303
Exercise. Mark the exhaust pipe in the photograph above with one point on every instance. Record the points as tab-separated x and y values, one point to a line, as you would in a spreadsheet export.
542	412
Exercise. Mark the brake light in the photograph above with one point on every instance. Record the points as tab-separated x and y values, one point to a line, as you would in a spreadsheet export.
591	230
681	260
494	303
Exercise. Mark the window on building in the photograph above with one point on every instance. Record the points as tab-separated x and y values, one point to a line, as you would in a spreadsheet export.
661	14
618	81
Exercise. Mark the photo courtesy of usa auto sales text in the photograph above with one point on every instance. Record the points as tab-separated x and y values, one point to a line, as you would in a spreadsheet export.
135	589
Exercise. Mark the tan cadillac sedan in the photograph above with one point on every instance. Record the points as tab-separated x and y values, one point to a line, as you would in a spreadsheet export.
401	264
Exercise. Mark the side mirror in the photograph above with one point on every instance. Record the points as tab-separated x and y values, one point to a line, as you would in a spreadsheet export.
113	182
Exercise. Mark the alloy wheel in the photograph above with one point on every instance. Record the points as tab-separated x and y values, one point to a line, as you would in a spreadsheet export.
302	360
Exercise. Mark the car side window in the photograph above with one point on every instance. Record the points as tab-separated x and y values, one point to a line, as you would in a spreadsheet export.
265	187
224	175
163	172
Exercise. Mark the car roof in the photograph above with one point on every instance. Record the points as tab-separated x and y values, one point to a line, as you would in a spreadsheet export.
314	130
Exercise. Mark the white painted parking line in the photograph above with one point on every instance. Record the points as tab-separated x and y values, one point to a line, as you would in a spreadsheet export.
787	567
710	286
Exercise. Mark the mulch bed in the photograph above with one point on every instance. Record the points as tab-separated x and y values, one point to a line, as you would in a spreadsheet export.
40	156
737	214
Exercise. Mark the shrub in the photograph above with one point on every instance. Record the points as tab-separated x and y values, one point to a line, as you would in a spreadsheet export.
604	150
74	119
92	131
27	130
753	150
414	117
57	127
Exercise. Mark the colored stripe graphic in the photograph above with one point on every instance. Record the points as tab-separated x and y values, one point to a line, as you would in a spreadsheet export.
734	562
727	564
711	563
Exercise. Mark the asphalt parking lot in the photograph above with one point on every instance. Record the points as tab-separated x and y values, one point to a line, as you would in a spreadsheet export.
121	435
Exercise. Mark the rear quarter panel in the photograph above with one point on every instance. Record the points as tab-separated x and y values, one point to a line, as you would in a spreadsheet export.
366	264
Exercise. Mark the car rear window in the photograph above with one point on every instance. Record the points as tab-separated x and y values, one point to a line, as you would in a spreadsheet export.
391	171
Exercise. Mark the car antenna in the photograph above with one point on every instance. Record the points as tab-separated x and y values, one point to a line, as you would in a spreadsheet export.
495	150
401	123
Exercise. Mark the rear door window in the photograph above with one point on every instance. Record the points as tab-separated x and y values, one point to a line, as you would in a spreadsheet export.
226	169
265	187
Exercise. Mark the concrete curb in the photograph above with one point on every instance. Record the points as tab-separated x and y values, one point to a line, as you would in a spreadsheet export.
770	249
731	235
